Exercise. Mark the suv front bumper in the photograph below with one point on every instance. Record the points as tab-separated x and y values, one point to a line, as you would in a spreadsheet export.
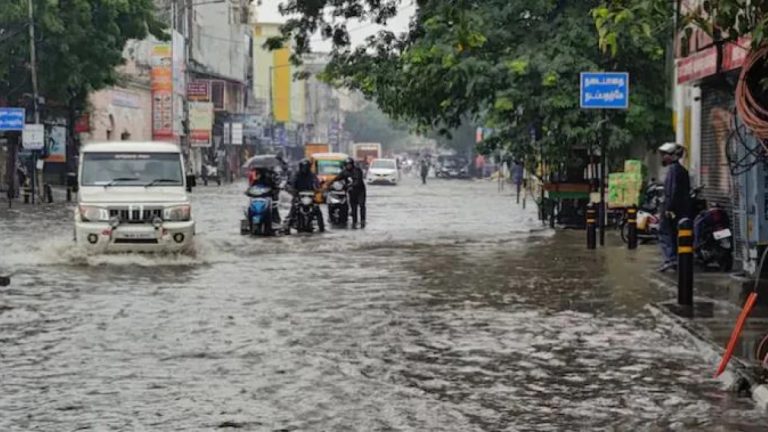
101	237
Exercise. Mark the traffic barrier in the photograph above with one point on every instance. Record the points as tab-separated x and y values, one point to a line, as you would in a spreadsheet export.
685	262
632	228
591	227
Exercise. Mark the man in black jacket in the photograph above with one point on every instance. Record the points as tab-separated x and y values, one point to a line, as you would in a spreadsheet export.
677	202
355	179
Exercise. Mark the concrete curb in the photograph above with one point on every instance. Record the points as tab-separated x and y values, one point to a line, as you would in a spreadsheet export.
739	377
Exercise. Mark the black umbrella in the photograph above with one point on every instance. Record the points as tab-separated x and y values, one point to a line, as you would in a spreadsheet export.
262	161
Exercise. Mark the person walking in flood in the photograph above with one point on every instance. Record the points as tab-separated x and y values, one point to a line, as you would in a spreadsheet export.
676	206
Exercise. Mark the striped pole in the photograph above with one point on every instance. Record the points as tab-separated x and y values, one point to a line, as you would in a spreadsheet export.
632	228
685	262
591	227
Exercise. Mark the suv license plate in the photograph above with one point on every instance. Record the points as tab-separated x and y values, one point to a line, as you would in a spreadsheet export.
722	234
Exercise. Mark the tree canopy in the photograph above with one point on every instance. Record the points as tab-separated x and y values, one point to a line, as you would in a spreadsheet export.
79	45
510	65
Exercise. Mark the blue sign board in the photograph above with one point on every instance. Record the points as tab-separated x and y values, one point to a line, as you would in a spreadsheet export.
604	90
11	119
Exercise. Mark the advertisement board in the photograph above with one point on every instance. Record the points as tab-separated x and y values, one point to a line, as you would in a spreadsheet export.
200	124
57	144
162	92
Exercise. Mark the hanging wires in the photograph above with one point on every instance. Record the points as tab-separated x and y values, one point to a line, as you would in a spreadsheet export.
751	103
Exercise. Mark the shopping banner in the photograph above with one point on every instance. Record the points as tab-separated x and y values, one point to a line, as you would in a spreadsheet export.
57	144
162	92
200	124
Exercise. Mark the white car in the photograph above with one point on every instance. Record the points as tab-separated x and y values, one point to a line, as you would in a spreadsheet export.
383	171
133	198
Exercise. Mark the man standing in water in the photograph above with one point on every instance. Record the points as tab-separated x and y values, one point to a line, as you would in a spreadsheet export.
677	190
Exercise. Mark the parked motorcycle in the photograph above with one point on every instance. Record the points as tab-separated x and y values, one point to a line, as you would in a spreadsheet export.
338	207
308	214
261	212
648	219
713	238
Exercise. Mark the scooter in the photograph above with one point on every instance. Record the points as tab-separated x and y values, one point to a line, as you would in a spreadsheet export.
338	207
648	220
260	213
713	238
307	214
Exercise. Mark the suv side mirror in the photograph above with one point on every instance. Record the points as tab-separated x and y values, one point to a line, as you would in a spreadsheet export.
191	182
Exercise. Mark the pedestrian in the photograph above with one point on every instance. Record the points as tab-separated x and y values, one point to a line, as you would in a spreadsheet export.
480	166
676	206
517	176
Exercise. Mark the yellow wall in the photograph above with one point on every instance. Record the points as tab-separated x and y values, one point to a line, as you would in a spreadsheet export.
281	89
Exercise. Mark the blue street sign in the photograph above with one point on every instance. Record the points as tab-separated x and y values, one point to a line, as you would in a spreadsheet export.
604	90
11	119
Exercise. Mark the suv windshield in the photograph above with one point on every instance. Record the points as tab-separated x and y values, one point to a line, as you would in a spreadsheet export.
132	169
388	164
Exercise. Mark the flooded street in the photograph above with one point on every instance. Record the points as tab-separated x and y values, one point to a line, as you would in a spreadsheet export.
453	311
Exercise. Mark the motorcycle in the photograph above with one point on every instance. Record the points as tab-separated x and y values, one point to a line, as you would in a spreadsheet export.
307	214
713	238
338	207
261	212
648	220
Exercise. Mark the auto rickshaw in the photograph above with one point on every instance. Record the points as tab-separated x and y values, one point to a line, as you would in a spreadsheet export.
326	166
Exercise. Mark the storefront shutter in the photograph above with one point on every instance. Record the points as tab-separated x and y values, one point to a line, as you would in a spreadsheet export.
718	186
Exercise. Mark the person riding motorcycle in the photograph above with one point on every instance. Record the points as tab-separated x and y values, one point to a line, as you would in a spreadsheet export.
354	177
304	181
265	177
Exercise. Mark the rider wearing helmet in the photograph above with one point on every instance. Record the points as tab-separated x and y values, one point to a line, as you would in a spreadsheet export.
677	205
355	179
304	180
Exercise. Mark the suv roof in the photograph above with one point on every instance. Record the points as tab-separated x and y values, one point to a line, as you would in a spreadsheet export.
131	147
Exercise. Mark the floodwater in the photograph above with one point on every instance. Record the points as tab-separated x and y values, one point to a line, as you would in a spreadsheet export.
453	311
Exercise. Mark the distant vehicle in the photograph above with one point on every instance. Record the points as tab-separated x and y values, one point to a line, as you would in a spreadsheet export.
313	148
133	198
452	167
327	166
211	173
383	171
366	152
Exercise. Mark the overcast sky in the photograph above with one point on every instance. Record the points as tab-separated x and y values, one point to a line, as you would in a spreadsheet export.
267	12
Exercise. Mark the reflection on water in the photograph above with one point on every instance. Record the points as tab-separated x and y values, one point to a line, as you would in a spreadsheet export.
451	312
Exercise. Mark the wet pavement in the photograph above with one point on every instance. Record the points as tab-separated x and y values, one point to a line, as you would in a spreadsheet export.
453	311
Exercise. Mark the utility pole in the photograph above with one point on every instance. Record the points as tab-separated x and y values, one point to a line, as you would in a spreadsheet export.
35	96
33	61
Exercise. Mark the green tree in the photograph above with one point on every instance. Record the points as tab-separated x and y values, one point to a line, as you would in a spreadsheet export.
79	45
511	65
372	125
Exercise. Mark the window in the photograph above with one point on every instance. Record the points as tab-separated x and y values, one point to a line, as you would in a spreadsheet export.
218	90
132	169
384	163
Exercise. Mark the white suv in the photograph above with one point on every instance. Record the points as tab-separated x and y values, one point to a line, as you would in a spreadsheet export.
133	197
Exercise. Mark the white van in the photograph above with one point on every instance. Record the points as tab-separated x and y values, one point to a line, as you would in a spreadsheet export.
133	198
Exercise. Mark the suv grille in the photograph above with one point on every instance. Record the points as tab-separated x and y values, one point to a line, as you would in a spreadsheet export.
136	214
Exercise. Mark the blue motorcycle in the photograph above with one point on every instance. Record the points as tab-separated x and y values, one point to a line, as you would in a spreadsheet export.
261	212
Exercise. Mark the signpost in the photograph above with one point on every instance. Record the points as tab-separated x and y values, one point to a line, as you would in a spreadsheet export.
11	119
33	137
604	91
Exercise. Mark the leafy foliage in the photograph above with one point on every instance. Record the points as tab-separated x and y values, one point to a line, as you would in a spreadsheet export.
510	65
372	125
79	44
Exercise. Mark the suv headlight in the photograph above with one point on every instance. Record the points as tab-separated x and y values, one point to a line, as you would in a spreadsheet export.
179	213
93	214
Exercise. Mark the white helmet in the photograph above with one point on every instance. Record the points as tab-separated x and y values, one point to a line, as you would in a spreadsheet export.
671	148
